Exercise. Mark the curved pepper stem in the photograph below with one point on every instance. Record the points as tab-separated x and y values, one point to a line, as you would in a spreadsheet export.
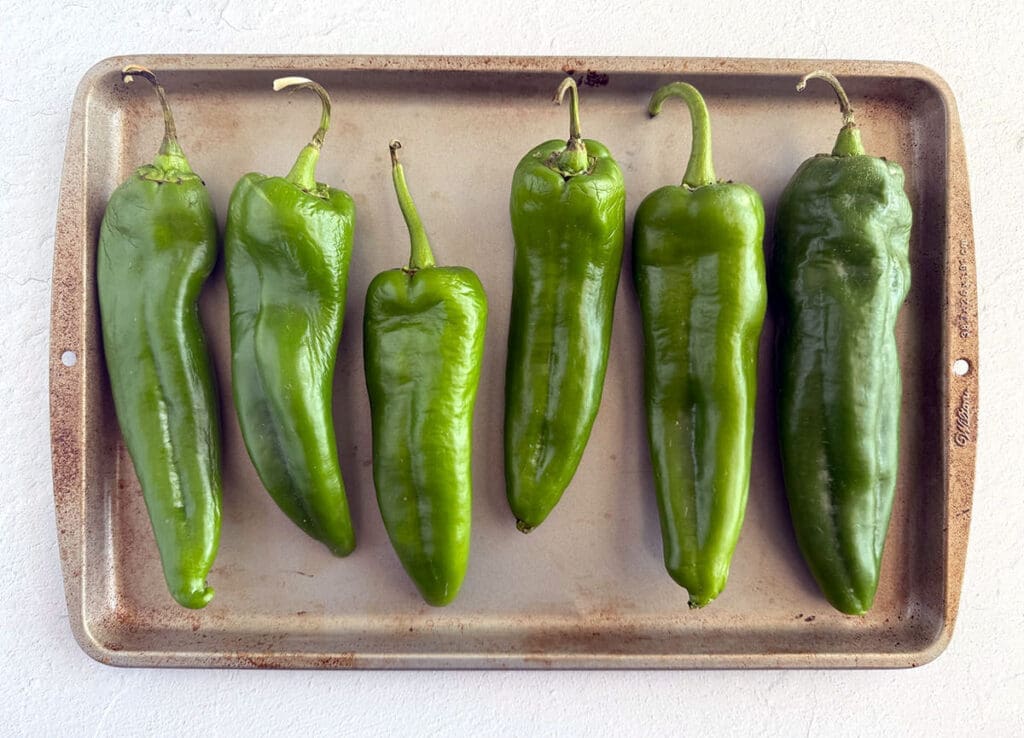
848	142
573	160
700	170
420	256
170	156
303	173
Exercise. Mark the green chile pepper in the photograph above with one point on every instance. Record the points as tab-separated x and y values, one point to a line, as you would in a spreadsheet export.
567	209
700	275
423	338
287	247
842	234
157	247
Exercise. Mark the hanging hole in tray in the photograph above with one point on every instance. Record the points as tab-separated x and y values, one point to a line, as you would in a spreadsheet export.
961	367
69	358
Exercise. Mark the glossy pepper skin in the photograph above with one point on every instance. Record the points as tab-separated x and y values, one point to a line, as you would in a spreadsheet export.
158	245
288	246
700	275
423	343
841	267
568	210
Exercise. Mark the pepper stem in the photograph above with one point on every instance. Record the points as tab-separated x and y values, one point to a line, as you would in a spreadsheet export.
303	173
569	85
848	142
170	155
420	256
573	160
844	101
700	169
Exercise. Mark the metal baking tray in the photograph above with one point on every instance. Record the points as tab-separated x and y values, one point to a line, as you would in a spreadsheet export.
588	588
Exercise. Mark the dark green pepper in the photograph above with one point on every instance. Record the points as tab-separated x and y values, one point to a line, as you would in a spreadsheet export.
423	343
700	275
288	246
842	235
568	216
157	247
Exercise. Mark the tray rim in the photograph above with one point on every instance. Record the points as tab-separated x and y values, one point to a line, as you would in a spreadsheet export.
68	384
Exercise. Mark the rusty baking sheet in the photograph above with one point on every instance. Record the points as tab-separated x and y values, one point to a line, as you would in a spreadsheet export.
588	588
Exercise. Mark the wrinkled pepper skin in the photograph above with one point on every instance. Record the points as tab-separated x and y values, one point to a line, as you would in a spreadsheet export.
423	338
841	268
157	247
287	248
568	228
700	276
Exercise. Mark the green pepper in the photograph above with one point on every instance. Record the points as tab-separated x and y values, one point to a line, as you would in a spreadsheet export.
287	247
157	247
842	234
699	268
423	343
567	208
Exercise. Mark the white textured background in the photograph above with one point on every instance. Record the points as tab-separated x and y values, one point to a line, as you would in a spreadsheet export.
49	687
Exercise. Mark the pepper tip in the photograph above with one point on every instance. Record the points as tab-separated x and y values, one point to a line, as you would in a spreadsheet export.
194	595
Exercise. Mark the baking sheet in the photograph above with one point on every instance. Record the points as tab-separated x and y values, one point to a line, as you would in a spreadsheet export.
588	588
